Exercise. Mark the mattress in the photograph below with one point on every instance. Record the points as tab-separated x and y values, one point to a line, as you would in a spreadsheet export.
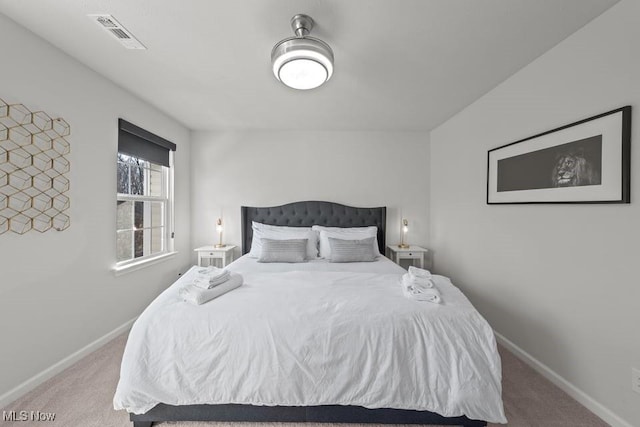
314	333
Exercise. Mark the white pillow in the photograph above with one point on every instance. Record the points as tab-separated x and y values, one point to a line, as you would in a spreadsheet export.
278	232
352	233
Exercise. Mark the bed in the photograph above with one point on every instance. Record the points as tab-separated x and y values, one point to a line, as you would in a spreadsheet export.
315	341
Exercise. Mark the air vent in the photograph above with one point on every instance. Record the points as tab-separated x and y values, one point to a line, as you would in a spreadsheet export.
119	33
113	27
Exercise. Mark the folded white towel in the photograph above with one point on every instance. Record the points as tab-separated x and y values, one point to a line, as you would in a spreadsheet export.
419	282
431	295
420	289
419	272
211	271
195	295
210	280
204	282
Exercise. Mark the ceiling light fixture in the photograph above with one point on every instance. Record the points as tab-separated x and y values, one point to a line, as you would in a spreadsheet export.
302	62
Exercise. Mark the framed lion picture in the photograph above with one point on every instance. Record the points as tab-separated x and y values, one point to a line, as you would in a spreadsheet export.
583	162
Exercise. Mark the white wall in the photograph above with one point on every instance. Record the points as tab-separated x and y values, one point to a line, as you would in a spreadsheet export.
560	281
57	290
231	169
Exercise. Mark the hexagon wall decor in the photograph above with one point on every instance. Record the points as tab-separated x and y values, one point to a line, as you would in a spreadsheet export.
33	169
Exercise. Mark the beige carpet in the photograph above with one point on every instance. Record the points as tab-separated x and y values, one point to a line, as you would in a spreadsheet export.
81	397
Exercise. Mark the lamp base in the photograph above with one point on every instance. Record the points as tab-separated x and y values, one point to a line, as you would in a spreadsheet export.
403	246
220	245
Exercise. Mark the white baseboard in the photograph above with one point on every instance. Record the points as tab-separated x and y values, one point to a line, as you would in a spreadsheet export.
22	389
583	398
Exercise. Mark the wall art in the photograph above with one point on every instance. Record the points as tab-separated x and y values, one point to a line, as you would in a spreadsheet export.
583	162
33	170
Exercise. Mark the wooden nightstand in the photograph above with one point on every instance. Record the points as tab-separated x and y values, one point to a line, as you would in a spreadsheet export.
412	252
210	253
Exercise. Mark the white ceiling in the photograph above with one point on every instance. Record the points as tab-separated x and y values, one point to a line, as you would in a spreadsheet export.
399	64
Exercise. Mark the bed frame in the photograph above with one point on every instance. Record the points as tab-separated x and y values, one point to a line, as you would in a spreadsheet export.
302	214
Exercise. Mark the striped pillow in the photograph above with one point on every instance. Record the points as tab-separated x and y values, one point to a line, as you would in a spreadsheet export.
291	250
352	250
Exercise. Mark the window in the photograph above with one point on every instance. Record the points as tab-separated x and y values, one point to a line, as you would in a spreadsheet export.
142	208
144	204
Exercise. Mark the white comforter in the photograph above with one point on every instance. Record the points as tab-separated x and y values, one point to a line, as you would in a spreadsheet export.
314	334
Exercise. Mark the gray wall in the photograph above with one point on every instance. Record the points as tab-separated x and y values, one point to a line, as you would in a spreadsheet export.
57	290
231	169
559	281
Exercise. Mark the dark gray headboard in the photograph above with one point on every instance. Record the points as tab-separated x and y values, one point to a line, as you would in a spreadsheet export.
306	214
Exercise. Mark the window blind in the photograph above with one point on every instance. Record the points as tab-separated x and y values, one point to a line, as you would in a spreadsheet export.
140	143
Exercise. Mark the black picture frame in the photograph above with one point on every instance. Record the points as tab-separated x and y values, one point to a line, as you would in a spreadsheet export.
588	161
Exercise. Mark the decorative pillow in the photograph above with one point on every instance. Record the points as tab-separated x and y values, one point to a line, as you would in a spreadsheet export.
277	232
352	250
351	233
291	250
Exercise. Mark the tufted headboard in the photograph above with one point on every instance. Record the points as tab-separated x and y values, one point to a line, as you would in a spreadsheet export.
306	214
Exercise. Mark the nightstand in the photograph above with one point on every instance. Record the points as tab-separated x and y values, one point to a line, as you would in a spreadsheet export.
412	252
210	253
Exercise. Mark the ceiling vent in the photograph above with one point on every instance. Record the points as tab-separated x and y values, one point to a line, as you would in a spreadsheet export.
113	27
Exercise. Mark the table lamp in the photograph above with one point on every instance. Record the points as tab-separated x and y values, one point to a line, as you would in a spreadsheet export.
403	231
219	230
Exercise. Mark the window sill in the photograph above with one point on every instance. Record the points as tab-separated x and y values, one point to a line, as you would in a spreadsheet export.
138	265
